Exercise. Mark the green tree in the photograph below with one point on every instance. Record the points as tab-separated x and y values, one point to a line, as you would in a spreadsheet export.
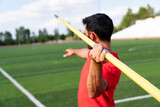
22	35
63	37
8	35
26	36
56	34
43	35
51	37
145	12
150	11
8	38
1	38
128	19
70	33
33	37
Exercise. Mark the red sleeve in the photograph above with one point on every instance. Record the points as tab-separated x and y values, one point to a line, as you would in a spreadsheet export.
111	74
88	54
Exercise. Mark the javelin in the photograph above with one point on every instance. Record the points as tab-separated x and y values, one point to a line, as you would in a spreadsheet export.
142	82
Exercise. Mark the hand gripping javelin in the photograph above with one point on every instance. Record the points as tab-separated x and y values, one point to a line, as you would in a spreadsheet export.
142	82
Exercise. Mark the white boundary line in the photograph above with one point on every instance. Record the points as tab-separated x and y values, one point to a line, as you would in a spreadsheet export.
132	98
29	95
39	104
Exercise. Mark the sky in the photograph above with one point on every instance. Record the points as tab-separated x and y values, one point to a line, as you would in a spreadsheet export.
39	14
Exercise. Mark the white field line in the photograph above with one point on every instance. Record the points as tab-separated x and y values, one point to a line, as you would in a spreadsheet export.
132	98
140	47
29	95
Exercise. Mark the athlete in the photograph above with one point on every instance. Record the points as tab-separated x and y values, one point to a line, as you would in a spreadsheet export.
99	77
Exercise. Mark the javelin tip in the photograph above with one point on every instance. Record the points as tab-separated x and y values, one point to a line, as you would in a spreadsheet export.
56	16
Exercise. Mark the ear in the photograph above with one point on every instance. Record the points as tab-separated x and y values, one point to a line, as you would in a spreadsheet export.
93	36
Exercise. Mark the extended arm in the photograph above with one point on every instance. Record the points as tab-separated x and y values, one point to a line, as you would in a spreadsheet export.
95	83
83	53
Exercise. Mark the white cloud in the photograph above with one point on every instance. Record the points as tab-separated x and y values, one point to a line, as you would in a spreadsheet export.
117	13
74	2
53	23
39	14
157	9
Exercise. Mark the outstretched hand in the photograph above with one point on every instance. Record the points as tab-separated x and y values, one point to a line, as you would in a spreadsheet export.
70	52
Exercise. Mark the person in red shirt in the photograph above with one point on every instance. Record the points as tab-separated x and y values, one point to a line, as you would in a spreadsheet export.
99	77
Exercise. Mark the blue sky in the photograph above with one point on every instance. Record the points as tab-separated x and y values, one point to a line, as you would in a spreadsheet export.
39	14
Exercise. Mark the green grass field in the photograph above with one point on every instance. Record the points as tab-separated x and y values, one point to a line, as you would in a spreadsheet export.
54	80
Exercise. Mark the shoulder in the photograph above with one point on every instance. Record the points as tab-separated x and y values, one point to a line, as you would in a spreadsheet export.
111	73
111	68
109	64
115	55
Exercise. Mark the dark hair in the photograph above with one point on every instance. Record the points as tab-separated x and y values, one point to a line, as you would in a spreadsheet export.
100	24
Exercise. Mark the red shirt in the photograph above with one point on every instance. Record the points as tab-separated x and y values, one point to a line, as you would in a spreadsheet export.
110	73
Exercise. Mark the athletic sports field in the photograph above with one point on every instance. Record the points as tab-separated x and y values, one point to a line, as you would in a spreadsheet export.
53	80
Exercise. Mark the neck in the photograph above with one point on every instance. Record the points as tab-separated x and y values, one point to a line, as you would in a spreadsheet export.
107	45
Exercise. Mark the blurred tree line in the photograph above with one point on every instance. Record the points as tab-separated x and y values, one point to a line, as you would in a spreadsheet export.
130	18
25	36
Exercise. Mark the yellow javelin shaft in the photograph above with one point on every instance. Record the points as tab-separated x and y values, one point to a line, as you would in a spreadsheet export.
142	82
